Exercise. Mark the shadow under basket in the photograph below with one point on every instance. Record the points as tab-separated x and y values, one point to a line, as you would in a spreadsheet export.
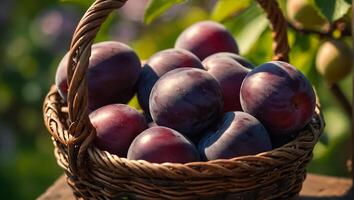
96	174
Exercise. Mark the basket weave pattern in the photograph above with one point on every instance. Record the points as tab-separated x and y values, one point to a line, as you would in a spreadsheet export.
96	174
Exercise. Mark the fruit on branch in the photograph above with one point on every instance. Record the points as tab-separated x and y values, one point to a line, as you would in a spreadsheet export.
116	127
238	134
112	74
334	60
230	74
188	100
304	15
161	144
206	38
159	64
279	96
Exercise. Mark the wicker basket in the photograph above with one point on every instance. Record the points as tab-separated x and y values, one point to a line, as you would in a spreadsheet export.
96	174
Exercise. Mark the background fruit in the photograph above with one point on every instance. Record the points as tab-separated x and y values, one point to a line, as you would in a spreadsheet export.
279	96
187	100
230	74
206	38
116	126
304	15
334	60
161	144
238	134
158	65
110	63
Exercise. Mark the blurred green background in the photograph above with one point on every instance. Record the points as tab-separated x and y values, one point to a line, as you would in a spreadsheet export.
35	35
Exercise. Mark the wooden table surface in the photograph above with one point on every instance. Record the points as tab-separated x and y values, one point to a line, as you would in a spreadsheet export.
315	187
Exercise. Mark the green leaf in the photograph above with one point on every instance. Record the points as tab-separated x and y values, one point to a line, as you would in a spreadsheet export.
134	102
333	9
248	26
303	54
225	9
282	5
156	8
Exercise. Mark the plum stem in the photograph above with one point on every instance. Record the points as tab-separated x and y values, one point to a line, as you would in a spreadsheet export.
338	93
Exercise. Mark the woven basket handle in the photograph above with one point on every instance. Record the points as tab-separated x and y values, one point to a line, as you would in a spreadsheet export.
80	50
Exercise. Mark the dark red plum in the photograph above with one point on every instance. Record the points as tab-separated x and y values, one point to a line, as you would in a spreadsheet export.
206	38
117	125
237	134
159	64
230	74
113	72
161	144
188	100
243	61
278	95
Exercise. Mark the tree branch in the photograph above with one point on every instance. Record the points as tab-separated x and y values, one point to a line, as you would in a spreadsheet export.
337	25
307	31
338	93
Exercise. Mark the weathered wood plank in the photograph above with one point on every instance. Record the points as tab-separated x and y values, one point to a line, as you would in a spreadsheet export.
315	187
60	190
326	188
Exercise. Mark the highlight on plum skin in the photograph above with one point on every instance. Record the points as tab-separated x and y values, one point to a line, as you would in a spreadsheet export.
243	61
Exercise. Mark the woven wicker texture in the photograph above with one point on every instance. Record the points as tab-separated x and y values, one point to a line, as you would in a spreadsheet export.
96	174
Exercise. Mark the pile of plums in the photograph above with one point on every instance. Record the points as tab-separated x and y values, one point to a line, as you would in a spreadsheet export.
200	100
